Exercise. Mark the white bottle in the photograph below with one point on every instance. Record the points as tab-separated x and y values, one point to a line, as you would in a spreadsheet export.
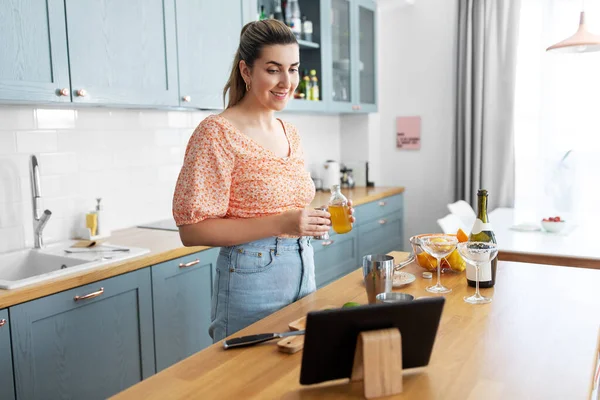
294	21
102	220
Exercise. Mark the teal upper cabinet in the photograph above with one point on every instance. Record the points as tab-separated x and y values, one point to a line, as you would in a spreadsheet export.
123	52
7	384
33	52
89	342
366	56
351	76
208	34
181	291
339	88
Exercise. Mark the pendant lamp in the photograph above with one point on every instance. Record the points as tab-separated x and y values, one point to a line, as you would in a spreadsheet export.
582	41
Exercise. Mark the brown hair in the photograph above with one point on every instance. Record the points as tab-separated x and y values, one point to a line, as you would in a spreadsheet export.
255	35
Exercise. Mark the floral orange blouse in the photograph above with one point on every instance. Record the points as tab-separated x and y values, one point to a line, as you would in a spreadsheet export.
226	174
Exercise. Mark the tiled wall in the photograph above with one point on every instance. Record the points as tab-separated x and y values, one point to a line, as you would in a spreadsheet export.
130	158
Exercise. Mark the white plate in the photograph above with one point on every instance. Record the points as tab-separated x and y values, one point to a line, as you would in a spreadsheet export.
402	278
526	227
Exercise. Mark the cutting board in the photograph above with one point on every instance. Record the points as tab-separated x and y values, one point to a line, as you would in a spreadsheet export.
294	344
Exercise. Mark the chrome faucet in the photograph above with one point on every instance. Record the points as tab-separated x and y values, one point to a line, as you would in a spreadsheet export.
39	219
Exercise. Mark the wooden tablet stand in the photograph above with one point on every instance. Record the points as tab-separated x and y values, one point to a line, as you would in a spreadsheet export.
378	362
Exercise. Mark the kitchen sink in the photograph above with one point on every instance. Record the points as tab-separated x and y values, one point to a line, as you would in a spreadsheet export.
29	266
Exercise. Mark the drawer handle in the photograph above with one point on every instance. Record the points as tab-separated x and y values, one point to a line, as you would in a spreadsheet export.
2	322
327	242
89	296
189	264
382	204
382	221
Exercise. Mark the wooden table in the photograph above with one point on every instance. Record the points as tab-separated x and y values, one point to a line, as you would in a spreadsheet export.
576	247
536	340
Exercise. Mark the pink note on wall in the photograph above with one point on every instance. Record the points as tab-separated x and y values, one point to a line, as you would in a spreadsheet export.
408	133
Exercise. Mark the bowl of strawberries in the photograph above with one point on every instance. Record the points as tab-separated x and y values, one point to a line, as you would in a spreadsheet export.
553	224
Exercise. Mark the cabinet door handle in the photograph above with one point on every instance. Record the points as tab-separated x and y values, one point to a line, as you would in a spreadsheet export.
189	264
187	99
90	295
63	92
2	322
382	221
382	204
327	242
81	92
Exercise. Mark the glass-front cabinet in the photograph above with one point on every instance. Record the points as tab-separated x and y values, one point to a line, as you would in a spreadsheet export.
366	60
342	54
352	56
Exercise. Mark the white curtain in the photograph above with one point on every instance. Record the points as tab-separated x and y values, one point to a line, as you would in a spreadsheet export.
557	115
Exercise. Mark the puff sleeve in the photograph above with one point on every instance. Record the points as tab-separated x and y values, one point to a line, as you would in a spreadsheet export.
204	182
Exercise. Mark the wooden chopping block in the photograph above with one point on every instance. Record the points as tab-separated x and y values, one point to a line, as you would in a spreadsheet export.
294	344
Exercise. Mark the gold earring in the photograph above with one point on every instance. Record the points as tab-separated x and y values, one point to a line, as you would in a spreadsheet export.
247	87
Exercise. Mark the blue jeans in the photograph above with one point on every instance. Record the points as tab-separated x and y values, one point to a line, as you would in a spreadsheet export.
258	278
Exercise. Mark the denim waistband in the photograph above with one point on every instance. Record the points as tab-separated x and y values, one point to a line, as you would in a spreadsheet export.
277	244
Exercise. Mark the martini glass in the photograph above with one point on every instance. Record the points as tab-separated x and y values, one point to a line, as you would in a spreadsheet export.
478	253
439	246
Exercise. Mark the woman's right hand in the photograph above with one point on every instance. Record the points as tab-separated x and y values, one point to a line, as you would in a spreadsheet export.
305	222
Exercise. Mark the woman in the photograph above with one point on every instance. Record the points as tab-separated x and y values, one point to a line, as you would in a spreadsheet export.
244	187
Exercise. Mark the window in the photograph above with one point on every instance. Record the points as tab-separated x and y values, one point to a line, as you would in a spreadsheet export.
557	115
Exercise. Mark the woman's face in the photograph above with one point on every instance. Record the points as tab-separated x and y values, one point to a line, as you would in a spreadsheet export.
274	76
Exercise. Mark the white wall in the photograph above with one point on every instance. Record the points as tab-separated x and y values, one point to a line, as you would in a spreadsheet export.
130	158
416	67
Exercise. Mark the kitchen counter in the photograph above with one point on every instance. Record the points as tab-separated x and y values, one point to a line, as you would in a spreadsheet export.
537	339
163	245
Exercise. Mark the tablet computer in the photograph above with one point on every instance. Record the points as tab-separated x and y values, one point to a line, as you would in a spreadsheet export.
331	336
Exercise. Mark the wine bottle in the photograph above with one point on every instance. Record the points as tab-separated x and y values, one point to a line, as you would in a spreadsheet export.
482	232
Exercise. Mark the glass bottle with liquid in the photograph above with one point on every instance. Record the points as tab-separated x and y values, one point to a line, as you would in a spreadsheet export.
482	232
339	210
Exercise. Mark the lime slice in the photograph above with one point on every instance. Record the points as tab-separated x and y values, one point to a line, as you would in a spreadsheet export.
351	304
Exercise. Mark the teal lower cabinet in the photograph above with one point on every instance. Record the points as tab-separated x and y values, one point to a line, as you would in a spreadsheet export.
335	258
84	343
182	290
382	235
7	384
378	230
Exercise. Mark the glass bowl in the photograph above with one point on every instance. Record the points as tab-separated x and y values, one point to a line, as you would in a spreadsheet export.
454	263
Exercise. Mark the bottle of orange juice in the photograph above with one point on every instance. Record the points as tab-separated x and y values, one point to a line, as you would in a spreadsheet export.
339	210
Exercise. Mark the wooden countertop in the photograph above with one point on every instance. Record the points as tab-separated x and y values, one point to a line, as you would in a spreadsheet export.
535	340
163	245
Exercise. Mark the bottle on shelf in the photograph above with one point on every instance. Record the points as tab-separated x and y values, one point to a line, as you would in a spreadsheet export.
306	85
262	15
292	16
339	210
482	232
307	29
278	13
314	86
284	8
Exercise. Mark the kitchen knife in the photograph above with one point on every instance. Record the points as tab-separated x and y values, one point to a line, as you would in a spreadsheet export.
255	339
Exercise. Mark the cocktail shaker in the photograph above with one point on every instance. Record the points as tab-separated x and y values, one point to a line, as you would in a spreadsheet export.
378	272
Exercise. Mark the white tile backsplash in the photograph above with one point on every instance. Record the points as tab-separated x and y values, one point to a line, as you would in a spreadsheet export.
130	158
55	119
37	141
8	142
